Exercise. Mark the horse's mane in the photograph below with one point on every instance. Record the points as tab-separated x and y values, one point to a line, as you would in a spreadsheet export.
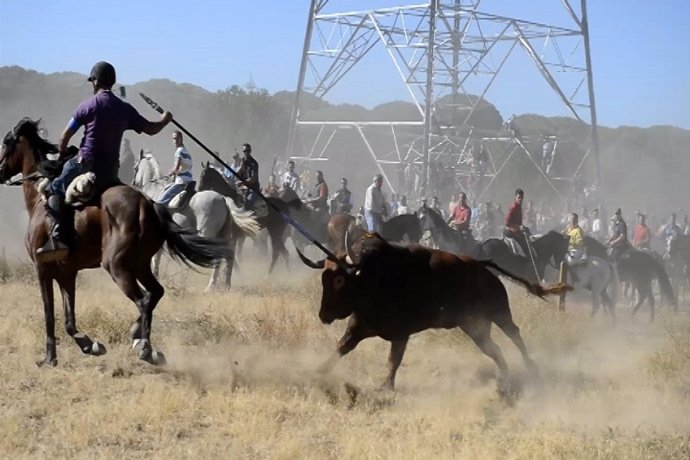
28	128
440	223
154	164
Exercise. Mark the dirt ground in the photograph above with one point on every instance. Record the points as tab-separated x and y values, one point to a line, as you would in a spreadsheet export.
241	380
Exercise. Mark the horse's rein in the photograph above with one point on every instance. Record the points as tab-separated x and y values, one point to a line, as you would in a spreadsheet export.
34	176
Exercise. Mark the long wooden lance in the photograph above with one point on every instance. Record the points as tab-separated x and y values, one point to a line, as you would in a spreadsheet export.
289	220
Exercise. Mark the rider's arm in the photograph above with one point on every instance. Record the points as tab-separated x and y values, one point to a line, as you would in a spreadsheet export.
176	167
66	136
154	127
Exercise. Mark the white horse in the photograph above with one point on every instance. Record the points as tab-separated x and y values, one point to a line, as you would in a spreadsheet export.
207	212
599	277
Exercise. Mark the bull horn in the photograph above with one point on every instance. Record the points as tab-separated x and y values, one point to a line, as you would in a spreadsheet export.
310	263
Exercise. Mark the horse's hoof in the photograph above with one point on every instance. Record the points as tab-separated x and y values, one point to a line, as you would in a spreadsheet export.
98	349
47	362
156	358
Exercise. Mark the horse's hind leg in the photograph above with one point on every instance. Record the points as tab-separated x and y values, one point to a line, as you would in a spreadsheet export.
610	307
67	283
156	262
121	267
652	310
151	299
277	248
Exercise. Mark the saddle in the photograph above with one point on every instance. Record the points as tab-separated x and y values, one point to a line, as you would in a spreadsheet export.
181	200
83	191
576	257
514	247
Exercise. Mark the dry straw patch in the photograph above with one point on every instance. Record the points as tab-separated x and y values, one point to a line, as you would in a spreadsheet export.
242	382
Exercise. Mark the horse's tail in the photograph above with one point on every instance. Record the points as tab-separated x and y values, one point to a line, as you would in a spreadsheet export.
187	246
533	288
244	220
664	283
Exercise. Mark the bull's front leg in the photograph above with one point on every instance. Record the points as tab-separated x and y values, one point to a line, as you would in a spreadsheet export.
354	334
394	359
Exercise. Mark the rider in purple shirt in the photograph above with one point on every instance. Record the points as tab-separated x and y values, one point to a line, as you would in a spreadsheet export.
105	118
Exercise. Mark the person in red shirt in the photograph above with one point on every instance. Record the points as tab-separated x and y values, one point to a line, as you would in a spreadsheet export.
513	222
319	200
641	234
462	214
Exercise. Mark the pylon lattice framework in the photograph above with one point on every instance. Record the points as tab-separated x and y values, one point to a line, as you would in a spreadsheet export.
439	50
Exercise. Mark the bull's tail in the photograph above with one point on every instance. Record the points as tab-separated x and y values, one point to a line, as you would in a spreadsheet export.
664	283
533	288
187	246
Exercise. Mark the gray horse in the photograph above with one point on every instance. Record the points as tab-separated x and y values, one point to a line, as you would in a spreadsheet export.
208	212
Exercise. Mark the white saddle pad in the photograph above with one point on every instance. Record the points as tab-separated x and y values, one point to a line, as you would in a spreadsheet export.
80	189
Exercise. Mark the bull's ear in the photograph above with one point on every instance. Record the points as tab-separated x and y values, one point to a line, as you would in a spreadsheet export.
141	154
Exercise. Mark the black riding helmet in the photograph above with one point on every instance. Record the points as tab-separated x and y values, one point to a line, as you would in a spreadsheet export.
104	72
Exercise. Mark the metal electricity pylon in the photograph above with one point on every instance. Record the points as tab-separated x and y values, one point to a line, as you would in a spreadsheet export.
448	55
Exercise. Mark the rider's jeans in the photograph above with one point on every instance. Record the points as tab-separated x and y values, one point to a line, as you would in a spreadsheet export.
70	171
169	193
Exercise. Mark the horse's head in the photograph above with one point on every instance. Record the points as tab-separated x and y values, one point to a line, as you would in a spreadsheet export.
553	244
146	170
209	177
431	220
22	146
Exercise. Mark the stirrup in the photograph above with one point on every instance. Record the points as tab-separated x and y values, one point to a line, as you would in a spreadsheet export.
54	250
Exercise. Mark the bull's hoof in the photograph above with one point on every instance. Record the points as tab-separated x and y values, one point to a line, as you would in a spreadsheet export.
387	386
353	393
508	390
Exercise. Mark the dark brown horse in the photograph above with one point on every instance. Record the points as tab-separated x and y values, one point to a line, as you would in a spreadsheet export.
120	231
395	230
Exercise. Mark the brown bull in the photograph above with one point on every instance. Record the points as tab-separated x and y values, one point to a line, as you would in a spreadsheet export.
394	291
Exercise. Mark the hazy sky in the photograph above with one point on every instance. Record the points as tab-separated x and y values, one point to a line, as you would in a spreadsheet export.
640	57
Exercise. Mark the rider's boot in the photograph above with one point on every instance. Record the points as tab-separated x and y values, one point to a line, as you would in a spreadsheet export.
55	249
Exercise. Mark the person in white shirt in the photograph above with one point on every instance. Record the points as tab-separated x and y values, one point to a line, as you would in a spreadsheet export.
375	205
181	171
290	178
597	231
402	206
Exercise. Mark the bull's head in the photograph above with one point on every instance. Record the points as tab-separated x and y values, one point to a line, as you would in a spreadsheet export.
340	281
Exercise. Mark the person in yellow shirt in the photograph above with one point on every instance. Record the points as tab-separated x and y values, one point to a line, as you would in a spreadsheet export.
576	244
576	240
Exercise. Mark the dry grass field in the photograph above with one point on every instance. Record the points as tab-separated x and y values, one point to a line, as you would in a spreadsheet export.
241	381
